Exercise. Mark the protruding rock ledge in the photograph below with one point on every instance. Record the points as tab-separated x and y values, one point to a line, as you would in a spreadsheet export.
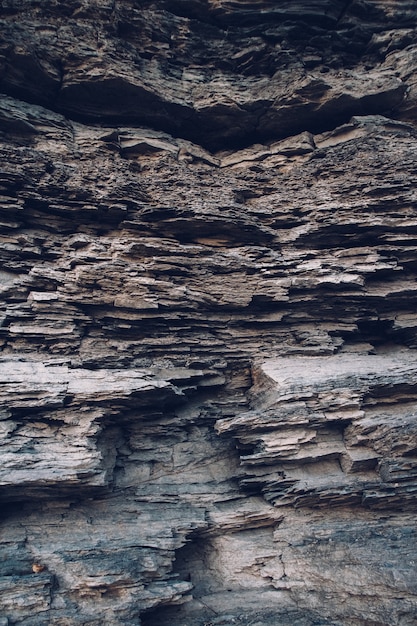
323	429
55	435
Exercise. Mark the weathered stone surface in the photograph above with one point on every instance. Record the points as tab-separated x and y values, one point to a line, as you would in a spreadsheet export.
208	327
210	71
325	429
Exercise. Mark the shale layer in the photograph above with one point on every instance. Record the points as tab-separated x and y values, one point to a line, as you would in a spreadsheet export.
208	334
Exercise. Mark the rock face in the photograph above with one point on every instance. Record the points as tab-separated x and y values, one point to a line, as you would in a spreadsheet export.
209	329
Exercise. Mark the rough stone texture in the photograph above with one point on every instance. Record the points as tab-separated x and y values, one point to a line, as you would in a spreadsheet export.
208	335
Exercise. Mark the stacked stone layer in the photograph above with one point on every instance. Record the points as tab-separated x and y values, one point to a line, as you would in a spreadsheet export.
208	332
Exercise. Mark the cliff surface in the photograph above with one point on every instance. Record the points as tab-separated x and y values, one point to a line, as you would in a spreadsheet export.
208	339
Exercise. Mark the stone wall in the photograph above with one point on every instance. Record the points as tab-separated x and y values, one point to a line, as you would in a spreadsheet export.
208	276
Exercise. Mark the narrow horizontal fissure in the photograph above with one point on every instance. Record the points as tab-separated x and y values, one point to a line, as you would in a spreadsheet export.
252	15
228	129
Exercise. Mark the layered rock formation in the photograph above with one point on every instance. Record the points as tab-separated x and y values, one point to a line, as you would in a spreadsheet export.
208	270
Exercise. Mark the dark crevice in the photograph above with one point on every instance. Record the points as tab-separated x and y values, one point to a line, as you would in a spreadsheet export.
344	10
330	117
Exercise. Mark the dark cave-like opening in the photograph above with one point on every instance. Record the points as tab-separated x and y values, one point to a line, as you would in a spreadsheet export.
190	565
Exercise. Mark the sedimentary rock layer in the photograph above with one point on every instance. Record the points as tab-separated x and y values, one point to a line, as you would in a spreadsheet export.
208	335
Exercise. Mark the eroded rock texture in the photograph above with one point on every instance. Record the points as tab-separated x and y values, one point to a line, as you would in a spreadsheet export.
209	331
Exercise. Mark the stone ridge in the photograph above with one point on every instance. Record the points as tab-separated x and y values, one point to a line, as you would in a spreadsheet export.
208	324
66	454
222	74
336	412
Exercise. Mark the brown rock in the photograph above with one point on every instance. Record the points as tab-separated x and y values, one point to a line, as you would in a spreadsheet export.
208	327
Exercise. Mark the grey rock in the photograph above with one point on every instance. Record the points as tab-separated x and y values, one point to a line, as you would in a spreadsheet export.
208	331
